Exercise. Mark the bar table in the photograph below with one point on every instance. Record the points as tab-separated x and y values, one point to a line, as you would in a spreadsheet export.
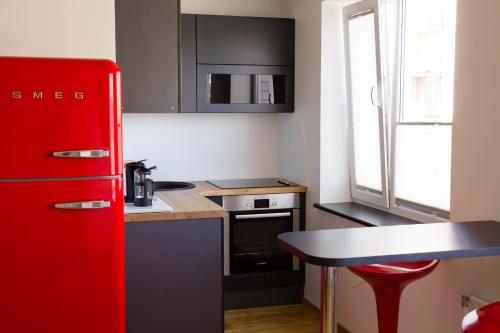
401	243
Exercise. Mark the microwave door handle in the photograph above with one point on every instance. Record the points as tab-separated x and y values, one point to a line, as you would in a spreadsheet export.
83	205
260	216
96	153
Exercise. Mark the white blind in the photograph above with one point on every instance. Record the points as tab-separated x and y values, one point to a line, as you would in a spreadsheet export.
364	115
423	165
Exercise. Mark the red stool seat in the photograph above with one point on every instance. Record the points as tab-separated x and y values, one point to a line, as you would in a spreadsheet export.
483	320
388	282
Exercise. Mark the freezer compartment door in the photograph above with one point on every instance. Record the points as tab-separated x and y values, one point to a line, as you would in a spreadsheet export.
59	118
62	265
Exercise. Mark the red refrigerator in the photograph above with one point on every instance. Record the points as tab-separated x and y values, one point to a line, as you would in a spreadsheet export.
61	194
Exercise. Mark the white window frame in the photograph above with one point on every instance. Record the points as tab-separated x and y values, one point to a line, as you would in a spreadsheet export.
357	192
387	201
410	210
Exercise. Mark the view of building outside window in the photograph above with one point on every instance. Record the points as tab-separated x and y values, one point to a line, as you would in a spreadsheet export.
428	61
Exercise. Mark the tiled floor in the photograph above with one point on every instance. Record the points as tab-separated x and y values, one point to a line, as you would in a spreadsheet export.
301	318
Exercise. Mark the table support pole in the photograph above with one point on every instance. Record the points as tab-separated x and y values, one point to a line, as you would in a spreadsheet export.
328	281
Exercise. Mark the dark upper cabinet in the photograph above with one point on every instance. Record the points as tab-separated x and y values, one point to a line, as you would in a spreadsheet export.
147	51
188	63
236	40
237	64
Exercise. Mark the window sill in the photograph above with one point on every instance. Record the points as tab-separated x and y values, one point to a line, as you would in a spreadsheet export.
365	215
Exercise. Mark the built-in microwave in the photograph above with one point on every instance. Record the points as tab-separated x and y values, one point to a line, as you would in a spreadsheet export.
244	88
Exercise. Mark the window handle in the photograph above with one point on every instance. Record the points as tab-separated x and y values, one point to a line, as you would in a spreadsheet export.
371	97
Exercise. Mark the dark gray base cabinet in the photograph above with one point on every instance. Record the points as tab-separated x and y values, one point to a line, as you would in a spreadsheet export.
174	276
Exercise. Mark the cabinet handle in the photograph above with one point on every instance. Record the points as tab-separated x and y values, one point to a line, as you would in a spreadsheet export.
97	153
83	205
259	216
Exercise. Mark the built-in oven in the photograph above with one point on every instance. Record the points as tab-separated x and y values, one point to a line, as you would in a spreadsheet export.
255	221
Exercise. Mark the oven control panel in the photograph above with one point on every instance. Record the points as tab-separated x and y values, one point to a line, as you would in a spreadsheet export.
261	201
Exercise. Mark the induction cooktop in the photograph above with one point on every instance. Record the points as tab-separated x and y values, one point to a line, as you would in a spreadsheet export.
251	183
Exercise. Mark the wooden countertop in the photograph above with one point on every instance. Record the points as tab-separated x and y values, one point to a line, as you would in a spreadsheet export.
193	204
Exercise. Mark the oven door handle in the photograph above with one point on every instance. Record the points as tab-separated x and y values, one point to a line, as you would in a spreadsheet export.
260	216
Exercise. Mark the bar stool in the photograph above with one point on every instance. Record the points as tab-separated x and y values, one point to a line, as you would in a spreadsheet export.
388	282
483	320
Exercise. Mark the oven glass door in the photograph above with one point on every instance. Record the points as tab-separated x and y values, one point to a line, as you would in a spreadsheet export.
254	241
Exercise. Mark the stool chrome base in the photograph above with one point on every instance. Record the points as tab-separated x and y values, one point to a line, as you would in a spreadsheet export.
328	286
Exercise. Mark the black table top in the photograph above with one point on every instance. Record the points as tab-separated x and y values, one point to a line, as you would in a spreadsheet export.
403	243
368	216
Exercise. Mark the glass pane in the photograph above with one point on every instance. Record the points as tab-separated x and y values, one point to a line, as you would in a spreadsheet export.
423	165
365	116
246	89
428	66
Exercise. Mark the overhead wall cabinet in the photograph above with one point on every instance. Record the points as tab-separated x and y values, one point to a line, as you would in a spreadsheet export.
227	63
237	64
147	51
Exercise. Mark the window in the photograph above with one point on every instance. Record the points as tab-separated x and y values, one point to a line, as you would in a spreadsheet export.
367	116
400	66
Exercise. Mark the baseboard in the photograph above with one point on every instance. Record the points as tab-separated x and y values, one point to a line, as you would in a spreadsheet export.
263	297
340	327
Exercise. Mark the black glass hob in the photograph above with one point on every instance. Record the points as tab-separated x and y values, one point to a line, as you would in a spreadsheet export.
251	183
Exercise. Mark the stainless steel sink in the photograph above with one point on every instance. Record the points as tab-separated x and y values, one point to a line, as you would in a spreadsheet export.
172	186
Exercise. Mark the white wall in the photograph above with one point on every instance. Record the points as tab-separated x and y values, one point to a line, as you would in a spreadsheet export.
266	8
55	28
208	146
205	146
476	128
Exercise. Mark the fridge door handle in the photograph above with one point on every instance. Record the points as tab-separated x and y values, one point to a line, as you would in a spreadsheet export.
83	205
97	153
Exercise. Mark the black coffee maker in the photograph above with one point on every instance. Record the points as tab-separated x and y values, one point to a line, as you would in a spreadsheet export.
129	179
143	187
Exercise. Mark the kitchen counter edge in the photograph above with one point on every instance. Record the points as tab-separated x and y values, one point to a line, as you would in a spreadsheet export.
193	204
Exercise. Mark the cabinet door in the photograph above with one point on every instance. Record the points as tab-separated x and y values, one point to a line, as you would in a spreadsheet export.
147	51
174	276
61	113
234	40
188	63
62	268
